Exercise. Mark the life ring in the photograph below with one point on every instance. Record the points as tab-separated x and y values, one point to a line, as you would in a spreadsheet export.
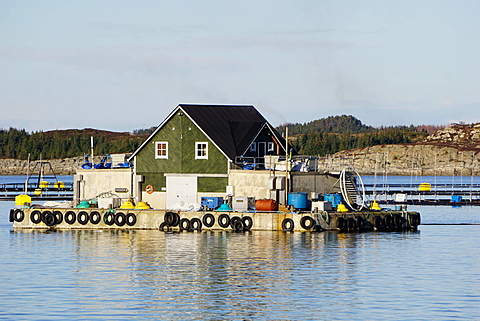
131	219
307	222
83	217
149	189
247	222
288	225
196	224
18	215
120	219
95	217
36	217
208	220
70	217
184	224
109	218
224	220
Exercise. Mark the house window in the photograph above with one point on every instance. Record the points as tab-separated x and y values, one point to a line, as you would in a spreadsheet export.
161	150
271	146
201	150
253	147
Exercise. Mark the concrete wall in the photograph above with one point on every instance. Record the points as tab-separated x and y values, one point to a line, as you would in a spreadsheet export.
314	182
250	183
89	183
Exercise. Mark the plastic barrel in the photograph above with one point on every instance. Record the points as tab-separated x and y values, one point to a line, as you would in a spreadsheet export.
268	205
298	200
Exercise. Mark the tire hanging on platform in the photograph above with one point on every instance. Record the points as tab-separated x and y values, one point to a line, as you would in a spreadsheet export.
164	226
307	222
388	221
351	224
48	218
378	222
36	217
196	224
233	219
208	220
224	220
237	225
184	224
43	215
288	225
131	219
83	217
18	215
397	221
70	217
120	219
341	223
95	217
247	222
58	217
109	218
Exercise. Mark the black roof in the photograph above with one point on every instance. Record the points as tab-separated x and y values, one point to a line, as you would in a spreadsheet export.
231	127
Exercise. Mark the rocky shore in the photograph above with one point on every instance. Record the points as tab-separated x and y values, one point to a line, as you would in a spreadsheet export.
65	166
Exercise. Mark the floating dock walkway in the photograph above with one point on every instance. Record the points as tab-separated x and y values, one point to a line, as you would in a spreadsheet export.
95	218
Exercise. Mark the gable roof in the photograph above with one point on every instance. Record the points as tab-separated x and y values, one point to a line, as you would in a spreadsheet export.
232	128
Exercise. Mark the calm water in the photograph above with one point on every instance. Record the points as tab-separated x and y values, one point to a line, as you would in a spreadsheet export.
431	274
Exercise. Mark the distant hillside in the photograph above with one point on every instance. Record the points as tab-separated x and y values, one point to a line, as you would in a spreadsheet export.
336	133
18	144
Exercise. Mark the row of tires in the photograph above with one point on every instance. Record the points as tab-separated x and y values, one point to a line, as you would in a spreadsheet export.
50	218
352	224
237	223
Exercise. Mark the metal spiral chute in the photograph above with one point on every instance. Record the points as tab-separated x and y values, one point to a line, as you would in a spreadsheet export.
352	189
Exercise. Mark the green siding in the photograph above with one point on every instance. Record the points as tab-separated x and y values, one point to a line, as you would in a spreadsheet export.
181	135
212	184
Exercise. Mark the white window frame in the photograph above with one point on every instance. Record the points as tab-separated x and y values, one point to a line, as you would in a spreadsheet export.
157	148
253	147
270	147
199	147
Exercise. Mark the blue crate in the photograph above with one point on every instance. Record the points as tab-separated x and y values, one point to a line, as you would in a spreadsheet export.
334	199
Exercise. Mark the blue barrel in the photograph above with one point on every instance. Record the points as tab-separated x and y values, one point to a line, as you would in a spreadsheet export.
298	200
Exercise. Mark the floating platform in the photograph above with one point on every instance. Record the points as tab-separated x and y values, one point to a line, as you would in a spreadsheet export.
163	220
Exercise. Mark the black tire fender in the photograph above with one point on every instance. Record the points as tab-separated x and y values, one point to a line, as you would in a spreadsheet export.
307	222
196	224
58	217
237	225
120	219
131	219
83	217
164	227
48	218
208	220
18	215
70	217
109	218
341	223
184	224
351	224
95	217
224	220
288	225
36	216
247	222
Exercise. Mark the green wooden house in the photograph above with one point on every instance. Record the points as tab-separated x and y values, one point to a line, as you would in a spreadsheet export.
193	150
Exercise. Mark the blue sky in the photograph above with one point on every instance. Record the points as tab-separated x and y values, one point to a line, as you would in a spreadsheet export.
124	65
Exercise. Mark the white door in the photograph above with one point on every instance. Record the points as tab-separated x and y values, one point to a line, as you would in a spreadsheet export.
181	189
